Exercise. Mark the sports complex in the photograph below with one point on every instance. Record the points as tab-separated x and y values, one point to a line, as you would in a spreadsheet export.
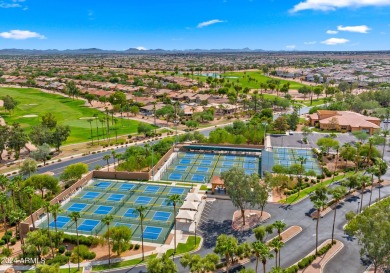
119	199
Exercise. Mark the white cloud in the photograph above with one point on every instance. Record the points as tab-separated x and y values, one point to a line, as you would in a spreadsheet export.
140	48
359	29
329	5
291	47
310	43
209	23
11	4
17	34
332	32
335	41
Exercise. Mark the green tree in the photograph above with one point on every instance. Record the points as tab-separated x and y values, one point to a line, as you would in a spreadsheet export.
319	199
144	128
36	244
260	233
40	134
45	268
4	135
17	139
107	157
60	135
277	244
338	193
72	90
237	184
134	110
198	264
161	265
327	143
362	182
262	252
56	209
174	200
43	182
42	153
29	192
9	103
74	172
120	237
3	205
49	121
141	210
28	167
47	208
280	124
75	216
226	246
279	226
107	221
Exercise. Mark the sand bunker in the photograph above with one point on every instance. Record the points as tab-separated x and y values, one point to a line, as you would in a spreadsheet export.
30	116
1	103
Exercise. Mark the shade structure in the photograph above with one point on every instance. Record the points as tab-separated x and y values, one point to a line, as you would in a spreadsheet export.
188	205
186	215
194	197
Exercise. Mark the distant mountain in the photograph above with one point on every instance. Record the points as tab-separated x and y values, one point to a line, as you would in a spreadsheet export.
15	51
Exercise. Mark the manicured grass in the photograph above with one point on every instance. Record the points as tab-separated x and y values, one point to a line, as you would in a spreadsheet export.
316	102
62	270
203	188
67	112
122	264
161	182
184	184
257	75
187	247
305	192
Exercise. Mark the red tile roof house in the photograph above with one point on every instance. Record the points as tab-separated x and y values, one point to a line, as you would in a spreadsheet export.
344	121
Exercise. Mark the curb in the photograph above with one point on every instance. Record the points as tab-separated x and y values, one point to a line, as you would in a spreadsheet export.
331	257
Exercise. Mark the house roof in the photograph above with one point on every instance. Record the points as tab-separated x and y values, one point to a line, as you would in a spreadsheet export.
348	118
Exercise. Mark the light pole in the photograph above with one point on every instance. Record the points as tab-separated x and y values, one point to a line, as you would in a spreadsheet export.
265	124
357	210
67	254
152	164
195	234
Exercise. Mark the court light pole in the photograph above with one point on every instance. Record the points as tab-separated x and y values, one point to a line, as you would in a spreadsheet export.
265	124
357	210
195	233
67	254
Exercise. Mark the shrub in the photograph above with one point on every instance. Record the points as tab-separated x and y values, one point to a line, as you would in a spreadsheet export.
61	249
13	241
83	240
59	259
136	247
6	252
84	253
6	238
2	242
9	232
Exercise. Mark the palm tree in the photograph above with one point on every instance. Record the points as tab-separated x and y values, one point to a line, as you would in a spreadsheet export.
302	160
107	221
29	191
385	133
47	208
55	211
277	244
113	153
3	203
279	225
262	252
141	214
362	181
16	217
75	216
107	158
319	200
174	200
4	181
90	125
97	127
337	193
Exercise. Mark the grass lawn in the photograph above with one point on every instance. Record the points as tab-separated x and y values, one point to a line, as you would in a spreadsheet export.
67	111
203	188
62	270
257	75
316	102
187	247
305	192
122	264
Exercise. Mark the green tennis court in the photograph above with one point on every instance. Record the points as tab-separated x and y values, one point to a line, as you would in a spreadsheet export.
201	167
288	156
119	199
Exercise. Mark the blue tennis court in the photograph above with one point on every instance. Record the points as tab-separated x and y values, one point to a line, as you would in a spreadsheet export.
115	197
161	216
185	161
61	221
88	225
202	169
103	185
198	178
77	207
91	195
143	200
230	157
188	155
228	164
126	187
152	189
131	213
181	168
205	162
175	176
250	172
152	233
103	210
176	191
208	156
249	165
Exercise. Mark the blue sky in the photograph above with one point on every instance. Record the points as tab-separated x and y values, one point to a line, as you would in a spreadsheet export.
189	24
